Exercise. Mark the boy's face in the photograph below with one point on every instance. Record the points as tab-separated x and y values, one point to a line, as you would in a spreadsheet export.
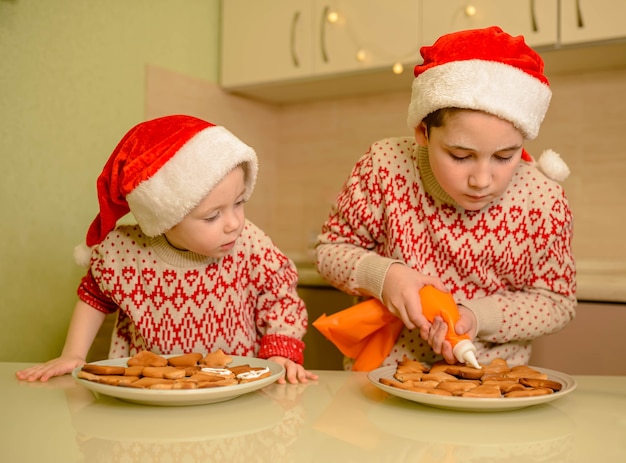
473	156
213	226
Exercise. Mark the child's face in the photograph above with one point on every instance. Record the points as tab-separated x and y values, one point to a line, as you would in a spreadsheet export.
473	156
213	226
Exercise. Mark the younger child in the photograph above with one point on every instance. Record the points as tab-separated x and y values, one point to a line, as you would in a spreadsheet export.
193	275
461	206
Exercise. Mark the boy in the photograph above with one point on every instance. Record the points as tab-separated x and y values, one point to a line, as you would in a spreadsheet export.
461	206
193	275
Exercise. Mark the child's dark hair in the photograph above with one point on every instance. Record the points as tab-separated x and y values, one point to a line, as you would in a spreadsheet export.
439	117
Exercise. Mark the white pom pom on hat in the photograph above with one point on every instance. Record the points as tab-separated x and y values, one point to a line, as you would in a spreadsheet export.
160	171
551	164
82	255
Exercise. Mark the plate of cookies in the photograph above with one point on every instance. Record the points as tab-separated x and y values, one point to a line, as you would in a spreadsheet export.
494	387
174	380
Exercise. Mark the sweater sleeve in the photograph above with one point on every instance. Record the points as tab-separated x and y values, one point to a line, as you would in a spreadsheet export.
348	249
90	293
281	315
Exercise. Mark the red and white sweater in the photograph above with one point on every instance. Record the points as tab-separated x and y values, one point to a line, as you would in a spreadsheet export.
173	301
510	263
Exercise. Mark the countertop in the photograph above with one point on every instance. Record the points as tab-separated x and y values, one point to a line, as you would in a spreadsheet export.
596	280
340	417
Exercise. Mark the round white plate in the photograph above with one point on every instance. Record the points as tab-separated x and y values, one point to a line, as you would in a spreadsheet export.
186	396
473	404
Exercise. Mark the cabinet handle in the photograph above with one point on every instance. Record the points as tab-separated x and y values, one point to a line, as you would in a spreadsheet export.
294	27
323	34
579	15
533	17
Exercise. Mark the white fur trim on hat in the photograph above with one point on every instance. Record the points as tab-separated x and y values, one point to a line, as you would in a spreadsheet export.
497	88
164	199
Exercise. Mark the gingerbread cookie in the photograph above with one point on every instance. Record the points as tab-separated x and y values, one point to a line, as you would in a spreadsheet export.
148	370
496	380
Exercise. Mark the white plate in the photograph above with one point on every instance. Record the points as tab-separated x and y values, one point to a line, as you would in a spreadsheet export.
188	396
470	403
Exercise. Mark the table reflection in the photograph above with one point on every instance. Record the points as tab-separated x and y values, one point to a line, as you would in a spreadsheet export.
341	417
241	429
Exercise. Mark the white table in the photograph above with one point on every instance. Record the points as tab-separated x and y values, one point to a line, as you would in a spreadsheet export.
341	417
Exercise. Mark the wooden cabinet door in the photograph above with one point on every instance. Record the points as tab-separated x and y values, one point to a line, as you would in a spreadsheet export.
590	21
367	34
536	20
265	41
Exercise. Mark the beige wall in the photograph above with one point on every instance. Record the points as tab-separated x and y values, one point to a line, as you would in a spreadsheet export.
72	82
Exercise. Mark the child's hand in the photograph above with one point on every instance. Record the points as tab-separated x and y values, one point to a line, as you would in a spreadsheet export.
439	328
436	339
294	372
51	368
401	295
467	323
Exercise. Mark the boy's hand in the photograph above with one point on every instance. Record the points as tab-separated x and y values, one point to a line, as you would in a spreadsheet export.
401	296
56	367
294	372
438	330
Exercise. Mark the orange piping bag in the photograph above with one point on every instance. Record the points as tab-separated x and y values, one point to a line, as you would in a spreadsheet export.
365	332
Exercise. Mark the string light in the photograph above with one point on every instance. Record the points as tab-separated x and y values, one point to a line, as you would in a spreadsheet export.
397	68
470	10
362	54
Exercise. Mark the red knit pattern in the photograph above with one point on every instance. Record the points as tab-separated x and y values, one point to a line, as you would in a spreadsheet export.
511	262
176	302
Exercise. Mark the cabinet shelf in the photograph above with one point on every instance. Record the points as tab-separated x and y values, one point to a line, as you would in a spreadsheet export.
282	52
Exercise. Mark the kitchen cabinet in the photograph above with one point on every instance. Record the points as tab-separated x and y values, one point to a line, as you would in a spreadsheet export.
288	51
591	344
320	353
586	21
265	41
535	20
274	41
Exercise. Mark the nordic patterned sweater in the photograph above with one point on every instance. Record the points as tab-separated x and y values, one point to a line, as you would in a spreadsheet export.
510	263
173	301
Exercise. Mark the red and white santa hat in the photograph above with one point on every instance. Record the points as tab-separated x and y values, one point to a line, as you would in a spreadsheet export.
161	170
487	70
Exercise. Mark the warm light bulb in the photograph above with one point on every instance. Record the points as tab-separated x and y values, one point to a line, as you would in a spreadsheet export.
332	17
361	55
470	10
397	68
